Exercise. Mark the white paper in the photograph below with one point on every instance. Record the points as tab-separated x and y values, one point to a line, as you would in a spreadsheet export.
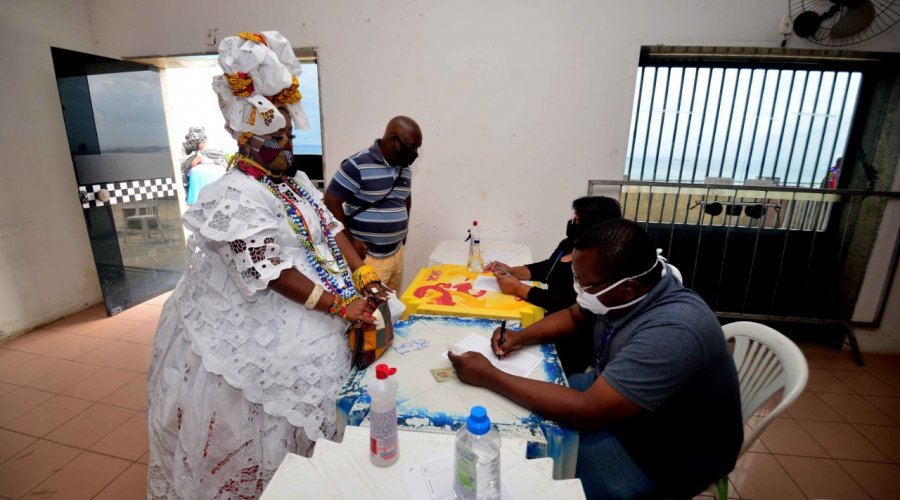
518	363
497	256
489	283
434	480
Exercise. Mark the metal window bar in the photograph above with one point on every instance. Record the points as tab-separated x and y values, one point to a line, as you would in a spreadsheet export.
786	125
771	268
743	154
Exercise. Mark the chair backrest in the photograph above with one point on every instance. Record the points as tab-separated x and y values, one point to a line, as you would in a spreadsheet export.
676	273
766	362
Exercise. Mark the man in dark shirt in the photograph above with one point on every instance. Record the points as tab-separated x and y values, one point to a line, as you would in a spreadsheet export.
661	417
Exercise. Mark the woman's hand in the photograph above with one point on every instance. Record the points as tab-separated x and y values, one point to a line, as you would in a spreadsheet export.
359	310
376	291
509	284
512	341
497	267
472	368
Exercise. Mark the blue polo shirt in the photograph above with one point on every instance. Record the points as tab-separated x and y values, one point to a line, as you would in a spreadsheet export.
366	177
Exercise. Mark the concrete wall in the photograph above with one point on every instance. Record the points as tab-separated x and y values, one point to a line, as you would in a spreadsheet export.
521	102
46	268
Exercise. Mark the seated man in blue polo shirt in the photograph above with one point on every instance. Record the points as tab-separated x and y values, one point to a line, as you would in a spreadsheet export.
661	418
370	194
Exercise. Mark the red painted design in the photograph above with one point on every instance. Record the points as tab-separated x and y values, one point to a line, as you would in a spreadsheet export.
467	288
434	276
445	298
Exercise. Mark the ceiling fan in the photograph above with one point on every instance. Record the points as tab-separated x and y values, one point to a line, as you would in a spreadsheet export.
834	23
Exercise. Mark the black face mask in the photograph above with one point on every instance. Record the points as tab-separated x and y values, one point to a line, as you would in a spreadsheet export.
405	155
573	230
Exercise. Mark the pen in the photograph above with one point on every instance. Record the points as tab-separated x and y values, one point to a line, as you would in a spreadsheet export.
502	333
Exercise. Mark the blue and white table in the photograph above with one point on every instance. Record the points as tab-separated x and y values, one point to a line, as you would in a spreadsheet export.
424	404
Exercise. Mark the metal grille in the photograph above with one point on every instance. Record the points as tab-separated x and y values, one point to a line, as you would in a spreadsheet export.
719	125
747	268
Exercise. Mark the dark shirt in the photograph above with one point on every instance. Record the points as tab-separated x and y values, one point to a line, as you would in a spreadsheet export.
558	277
575	351
669	356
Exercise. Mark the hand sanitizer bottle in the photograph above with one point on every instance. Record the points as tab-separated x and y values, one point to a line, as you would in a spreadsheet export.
475	264
384	447
477	460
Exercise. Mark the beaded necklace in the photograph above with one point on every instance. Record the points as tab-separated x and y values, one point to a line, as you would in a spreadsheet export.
324	267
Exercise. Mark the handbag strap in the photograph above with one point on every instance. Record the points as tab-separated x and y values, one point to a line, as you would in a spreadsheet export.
369	205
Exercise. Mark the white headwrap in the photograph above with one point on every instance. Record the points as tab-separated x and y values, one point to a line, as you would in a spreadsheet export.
261	73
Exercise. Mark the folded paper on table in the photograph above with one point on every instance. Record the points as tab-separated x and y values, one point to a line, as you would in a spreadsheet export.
489	283
517	363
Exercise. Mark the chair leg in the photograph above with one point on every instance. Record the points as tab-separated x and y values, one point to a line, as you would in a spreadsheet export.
722	488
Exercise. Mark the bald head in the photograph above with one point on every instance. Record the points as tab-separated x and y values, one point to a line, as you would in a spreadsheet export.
401	141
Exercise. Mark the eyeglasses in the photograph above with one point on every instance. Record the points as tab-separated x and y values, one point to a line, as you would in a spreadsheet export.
586	287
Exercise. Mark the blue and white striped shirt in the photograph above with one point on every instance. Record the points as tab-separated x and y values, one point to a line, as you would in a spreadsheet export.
366	177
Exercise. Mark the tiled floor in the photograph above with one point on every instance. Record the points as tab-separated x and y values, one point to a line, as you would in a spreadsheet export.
73	403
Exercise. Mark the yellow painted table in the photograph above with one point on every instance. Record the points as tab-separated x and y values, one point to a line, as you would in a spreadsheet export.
447	290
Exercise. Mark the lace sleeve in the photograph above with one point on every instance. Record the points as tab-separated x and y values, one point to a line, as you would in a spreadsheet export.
253	263
234	217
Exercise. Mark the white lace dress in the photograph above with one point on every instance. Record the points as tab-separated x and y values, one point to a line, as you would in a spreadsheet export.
240	375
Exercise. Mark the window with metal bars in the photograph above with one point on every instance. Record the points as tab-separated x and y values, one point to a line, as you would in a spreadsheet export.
701	124
778	123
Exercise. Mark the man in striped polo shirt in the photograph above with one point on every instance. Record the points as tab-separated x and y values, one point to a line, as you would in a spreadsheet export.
370	194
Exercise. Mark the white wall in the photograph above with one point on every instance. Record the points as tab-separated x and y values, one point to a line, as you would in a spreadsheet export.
46	268
520	102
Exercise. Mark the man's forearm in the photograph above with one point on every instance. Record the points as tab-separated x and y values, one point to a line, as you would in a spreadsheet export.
335	205
554	402
345	244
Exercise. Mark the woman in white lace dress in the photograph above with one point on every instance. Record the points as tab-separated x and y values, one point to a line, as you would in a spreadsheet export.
250	352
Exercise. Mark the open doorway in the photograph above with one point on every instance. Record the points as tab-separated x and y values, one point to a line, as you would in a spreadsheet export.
190	104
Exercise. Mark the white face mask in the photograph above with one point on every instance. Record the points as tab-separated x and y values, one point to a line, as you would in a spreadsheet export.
591	301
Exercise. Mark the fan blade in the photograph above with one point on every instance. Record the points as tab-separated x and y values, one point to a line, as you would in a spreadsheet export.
853	21
807	23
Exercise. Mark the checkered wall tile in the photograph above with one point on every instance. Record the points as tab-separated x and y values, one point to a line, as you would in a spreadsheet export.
123	192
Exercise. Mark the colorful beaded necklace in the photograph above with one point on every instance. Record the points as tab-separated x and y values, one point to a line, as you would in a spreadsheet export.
324	267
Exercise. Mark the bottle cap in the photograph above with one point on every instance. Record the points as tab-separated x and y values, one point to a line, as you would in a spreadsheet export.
382	371
478	422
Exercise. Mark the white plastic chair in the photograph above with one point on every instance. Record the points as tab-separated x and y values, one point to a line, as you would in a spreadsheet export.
766	362
676	273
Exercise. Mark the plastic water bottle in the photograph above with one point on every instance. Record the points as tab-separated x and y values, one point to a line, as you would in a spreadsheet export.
383	445
475	264
477	464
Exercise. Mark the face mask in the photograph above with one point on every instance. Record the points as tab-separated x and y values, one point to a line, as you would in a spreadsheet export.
591	302
405	156
276	155
573	229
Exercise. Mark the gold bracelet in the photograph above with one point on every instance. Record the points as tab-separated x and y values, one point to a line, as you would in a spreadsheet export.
341	306
313	298
364	275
